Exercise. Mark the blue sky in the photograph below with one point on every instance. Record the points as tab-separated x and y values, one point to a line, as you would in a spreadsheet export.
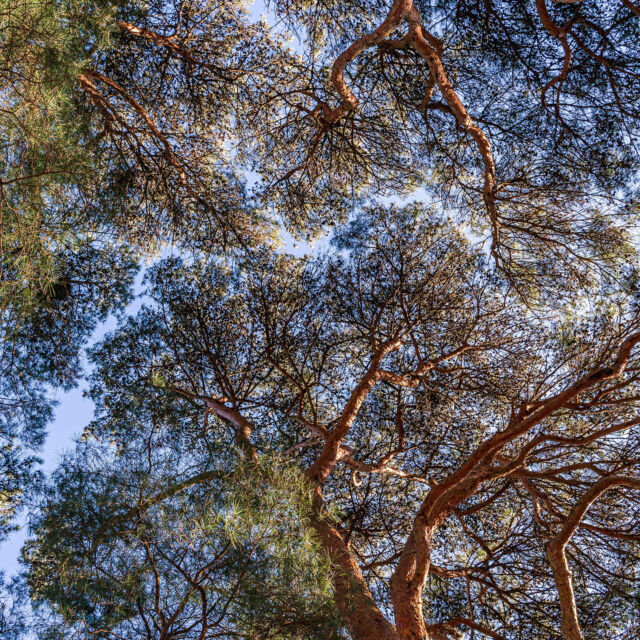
73	412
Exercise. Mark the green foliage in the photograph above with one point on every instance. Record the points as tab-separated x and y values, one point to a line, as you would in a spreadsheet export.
61	270
229	549
283	341
44	44
13	624
130	128
41	350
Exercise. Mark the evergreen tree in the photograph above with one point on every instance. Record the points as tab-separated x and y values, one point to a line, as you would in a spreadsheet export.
439	429
425	431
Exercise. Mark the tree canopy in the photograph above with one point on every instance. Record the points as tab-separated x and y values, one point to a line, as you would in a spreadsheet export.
424	429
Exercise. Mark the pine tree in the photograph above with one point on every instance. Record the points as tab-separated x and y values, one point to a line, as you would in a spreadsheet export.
427	429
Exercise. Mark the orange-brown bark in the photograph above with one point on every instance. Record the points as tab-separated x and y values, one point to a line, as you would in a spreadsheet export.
569	624
408	581
430	49
359	610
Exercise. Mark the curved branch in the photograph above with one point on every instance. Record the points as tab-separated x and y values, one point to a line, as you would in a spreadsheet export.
408	580
569	625
432	57
243	427
147	504
332	451
396	15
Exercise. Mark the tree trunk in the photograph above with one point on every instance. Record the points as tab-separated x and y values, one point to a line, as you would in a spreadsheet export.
363	618
569	624
407	583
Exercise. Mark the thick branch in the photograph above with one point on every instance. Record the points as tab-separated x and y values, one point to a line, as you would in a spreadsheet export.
396	15
408	580
569	624
353	598
332	450
524	422
432	57
243	428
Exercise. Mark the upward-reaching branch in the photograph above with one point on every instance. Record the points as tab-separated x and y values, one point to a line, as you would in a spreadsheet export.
569	625
413	566
322	467
429	48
